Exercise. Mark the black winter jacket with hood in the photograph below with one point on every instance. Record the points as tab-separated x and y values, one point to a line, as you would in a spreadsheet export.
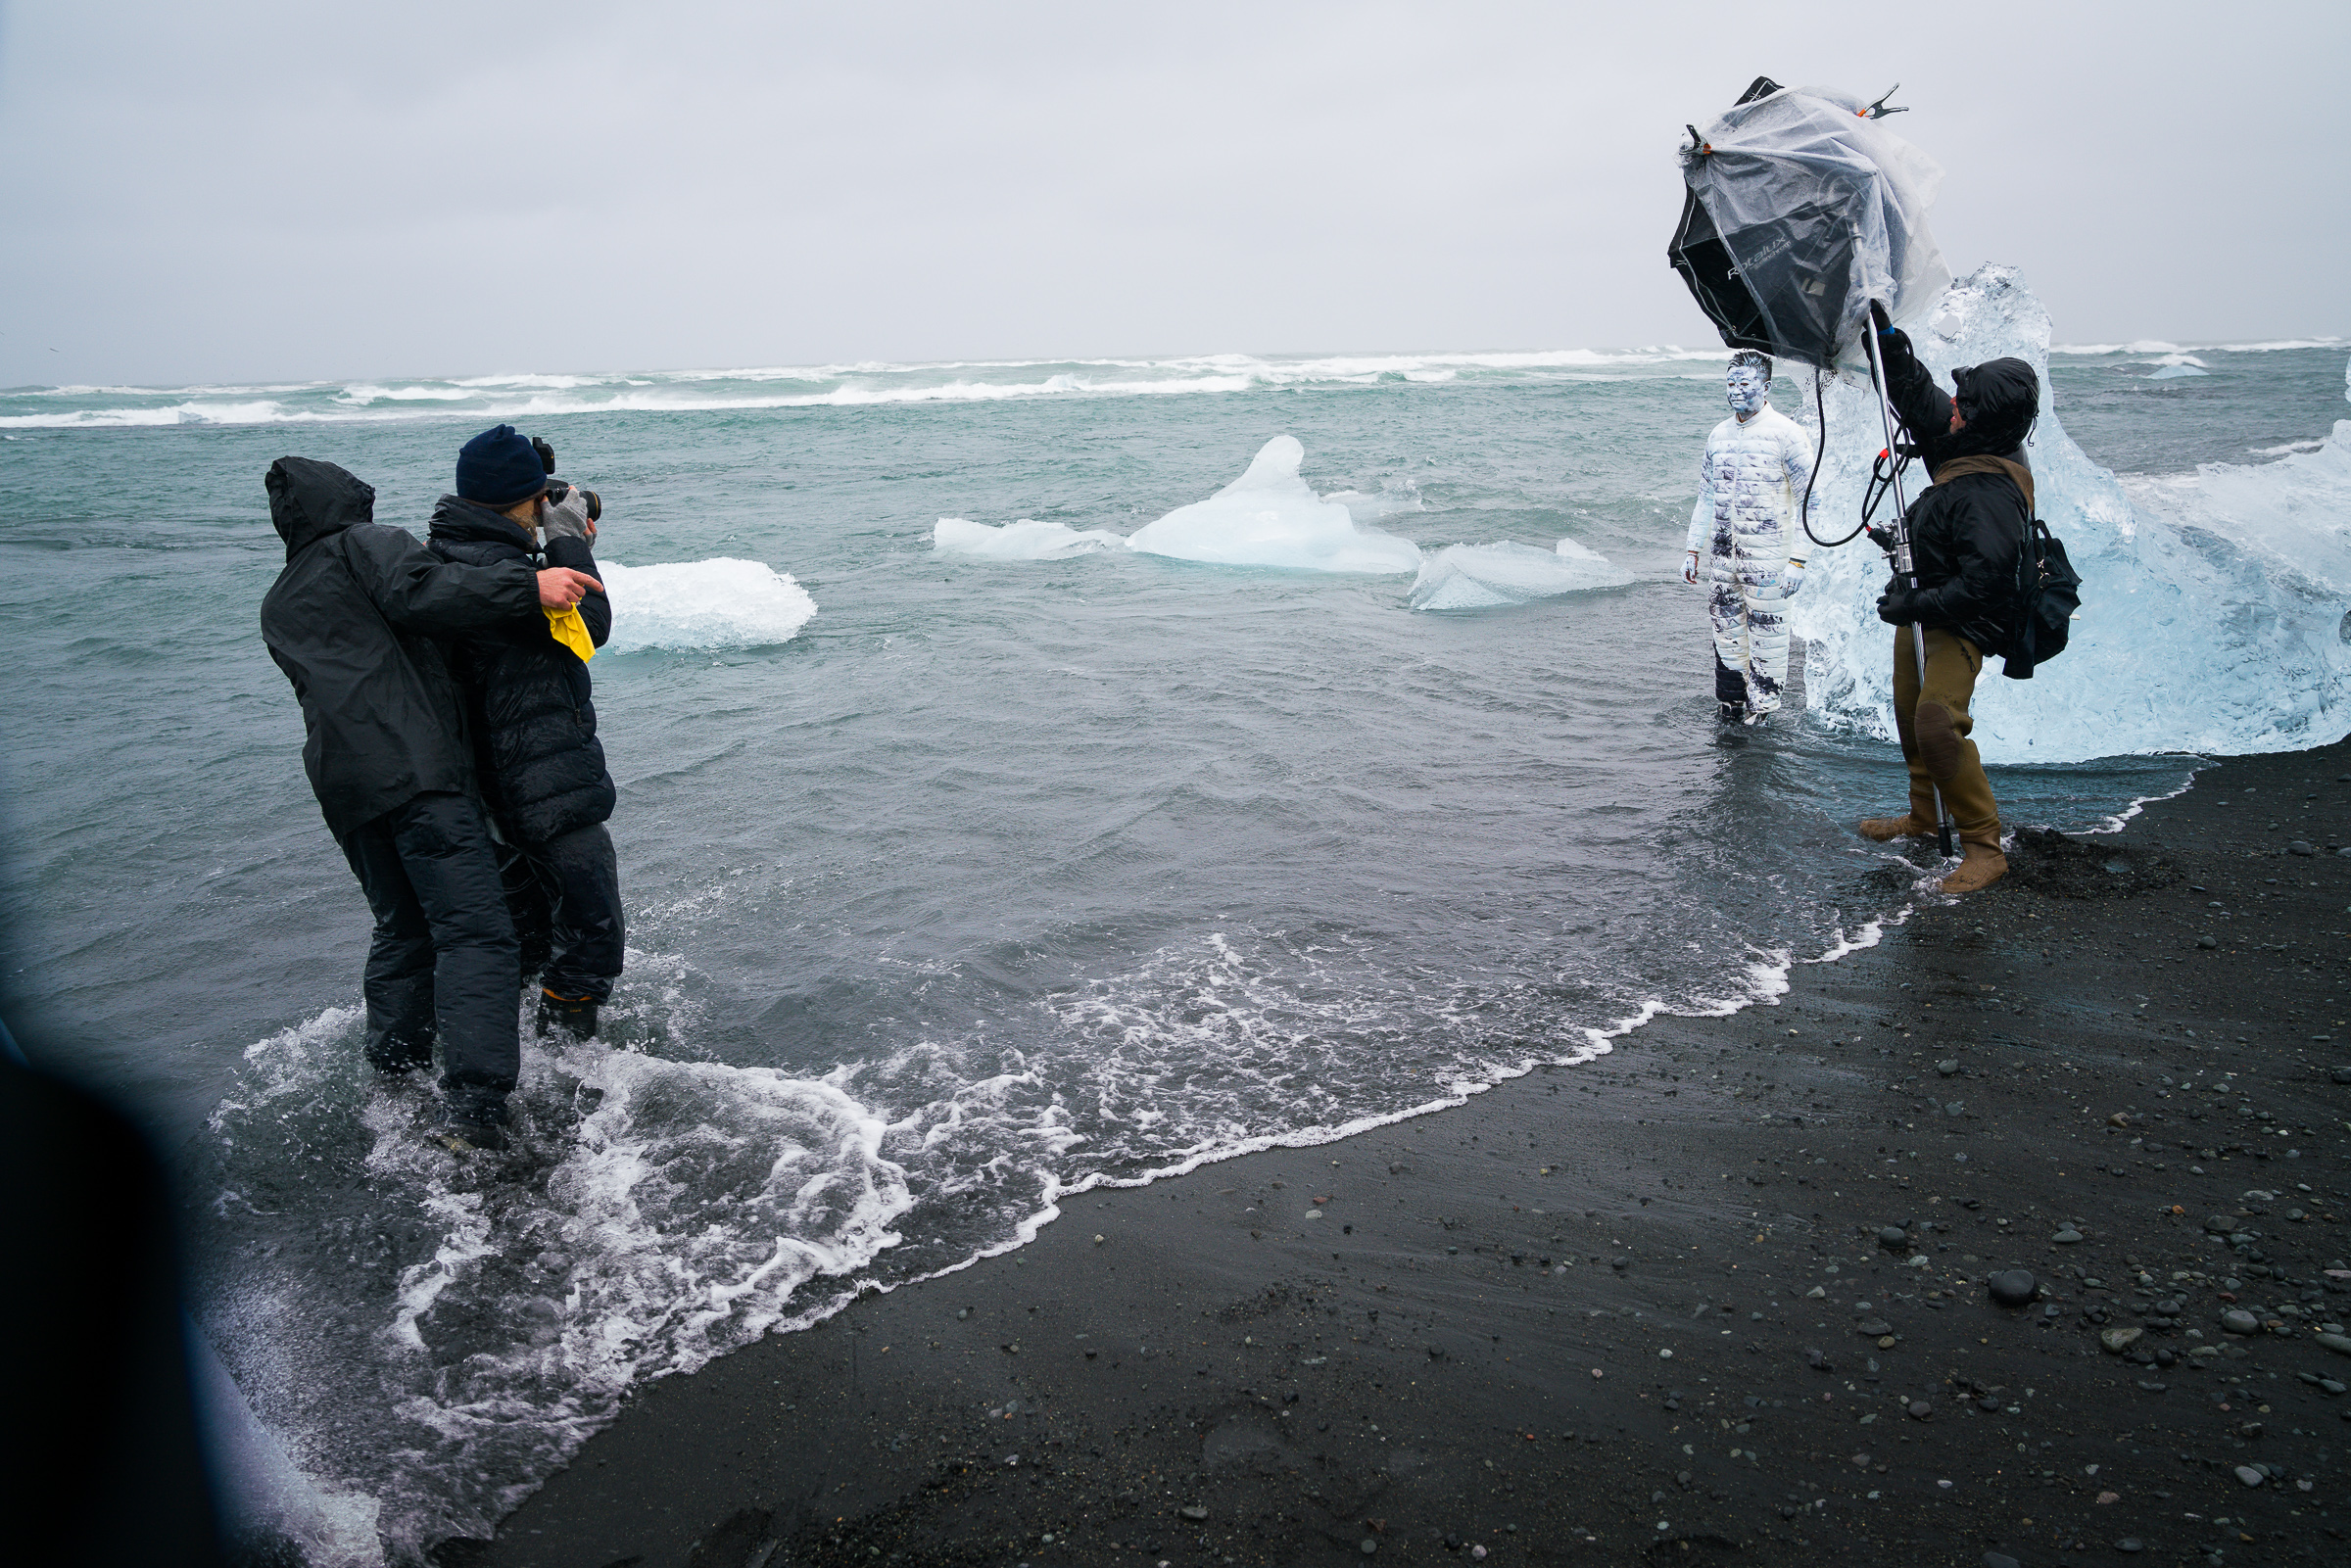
1967	529
527	694
351	620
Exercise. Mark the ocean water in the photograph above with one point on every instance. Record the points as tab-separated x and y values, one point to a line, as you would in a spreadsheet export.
960	877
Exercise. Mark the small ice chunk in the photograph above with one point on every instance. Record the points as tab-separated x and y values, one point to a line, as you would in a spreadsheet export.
1396	495
1271	518
1025	541
1472	577
719	603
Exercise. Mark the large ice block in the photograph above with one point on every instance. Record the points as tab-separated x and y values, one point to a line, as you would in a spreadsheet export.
1271	517
1025	541
717	604
1472	577
2212	603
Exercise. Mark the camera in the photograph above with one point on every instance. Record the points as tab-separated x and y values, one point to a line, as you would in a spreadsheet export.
556	490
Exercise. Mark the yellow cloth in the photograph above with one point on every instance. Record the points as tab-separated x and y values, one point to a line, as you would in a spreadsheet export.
567	627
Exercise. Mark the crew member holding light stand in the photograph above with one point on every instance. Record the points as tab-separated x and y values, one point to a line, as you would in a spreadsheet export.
1957	593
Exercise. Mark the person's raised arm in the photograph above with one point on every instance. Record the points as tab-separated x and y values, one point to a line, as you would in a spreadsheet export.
1923	408
419	591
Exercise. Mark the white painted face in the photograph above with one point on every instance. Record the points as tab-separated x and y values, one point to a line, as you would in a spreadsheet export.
1748	389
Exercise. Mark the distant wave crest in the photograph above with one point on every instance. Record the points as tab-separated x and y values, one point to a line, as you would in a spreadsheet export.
539	396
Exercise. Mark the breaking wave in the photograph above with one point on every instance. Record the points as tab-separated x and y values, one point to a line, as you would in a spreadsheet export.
847	385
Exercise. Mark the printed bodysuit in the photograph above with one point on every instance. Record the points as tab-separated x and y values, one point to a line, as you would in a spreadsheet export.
1743	528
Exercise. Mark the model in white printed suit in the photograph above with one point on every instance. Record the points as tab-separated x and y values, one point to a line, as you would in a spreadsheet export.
1745	528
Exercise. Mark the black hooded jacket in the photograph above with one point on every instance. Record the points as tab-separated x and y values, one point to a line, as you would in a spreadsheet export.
351	619
1967	529
527	694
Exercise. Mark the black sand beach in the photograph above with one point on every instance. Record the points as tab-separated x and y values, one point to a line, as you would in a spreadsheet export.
1718	1296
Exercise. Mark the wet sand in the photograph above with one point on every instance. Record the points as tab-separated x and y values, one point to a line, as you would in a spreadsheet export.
1717	1296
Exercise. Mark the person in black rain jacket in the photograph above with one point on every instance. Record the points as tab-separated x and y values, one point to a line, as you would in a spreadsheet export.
527	694
352	620
1967	537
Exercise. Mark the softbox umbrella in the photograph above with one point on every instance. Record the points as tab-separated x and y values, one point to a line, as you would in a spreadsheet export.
1802	208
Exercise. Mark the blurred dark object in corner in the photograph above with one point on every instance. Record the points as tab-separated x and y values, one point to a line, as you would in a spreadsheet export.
97	1402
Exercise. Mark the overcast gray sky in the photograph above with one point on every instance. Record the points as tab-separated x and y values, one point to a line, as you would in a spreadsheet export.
249	191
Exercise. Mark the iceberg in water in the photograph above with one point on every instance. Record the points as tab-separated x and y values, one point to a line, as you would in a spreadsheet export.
718	603
1476	577
1271	518
1025	541
2212	603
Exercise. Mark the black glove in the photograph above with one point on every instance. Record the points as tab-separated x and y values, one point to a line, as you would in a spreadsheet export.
1877	313
1898	605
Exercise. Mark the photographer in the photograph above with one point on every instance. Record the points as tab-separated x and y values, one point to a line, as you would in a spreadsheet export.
352	620
527	697
1967	530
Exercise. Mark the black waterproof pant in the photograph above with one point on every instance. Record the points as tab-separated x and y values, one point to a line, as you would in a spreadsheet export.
565	896
444	961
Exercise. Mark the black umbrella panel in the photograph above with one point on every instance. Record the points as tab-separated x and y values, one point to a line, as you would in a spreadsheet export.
1802	208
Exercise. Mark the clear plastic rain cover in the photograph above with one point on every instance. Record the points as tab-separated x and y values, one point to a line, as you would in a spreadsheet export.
1802	209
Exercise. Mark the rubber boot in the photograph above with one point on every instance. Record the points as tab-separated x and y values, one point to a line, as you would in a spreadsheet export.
575	1016
1984	866
1886	829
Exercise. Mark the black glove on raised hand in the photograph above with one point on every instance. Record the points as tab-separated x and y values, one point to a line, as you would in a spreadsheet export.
1898	605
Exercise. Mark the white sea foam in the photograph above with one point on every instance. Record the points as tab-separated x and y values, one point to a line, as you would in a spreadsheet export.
363	393
1271	517
682	1209
260	412
538	396
1025	541
718	603
2158	346
2212	603
1469	577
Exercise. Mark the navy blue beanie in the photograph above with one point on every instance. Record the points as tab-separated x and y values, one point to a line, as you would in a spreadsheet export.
499	468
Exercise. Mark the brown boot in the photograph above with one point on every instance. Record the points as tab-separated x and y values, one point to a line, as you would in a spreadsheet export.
1882	828
1984	866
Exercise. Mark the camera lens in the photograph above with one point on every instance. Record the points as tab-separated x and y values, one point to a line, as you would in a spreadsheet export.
596	504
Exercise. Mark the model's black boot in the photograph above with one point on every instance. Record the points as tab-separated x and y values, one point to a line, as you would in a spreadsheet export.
574	1016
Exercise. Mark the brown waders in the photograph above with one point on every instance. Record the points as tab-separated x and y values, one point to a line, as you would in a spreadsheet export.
1934	723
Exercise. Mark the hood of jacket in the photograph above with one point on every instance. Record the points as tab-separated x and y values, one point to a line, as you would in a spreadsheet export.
2000	399
310	500
458	521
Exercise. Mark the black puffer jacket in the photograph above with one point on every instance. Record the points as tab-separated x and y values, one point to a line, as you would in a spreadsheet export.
351	619
1967	530
527	694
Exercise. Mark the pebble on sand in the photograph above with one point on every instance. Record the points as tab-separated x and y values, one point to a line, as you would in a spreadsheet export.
2250	1476
2237	1320
2013	1287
